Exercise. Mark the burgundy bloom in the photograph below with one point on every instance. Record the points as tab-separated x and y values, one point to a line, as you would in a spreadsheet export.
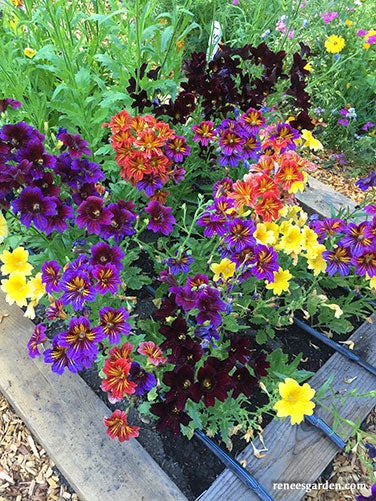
259	365
34	208
102	253
46	185
170	417
108	278
51	276
35	153
176	334
243	382
76	146
83	191
210	305
19	134
57	356
80	339
145	380
161	218
77	288
239	350
38	337
168	307
179	380
213	382
113	323
188	353
92	214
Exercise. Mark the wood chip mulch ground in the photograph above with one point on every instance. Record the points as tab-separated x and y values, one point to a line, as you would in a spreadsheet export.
28	474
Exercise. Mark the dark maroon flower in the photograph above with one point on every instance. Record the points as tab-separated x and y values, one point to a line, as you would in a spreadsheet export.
63	168
213	382
188	353
210	305
19	134
167	308
5	103
179	380
34	208
170	417
243	382
83	191
176	334
259	365
46	185
166	277
102	253
161	218
92	214
76	146
239	350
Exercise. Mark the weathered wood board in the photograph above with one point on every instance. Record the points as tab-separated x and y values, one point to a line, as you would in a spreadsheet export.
301	453
66	416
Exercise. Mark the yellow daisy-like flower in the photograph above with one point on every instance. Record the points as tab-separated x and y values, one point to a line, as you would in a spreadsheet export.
315	261
29	52
3	228
16	261
334	44
225	268
310	141
295	400
281	281
38	288
309	240
16	289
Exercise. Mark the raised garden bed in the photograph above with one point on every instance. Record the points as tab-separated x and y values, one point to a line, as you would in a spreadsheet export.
65	415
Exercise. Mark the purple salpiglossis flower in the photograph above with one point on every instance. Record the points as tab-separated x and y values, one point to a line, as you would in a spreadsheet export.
63	168
35	153
81	339
365	262
266	262
327	227
208	332
213	223
339	260
83	191
34	208
51	276
185	297
57	356
102	253
19	134
240	234
38	337
180	264
76	146
149	184
46	185
145	381
370	209
368	125
161	218
176	149
372	497
92	215
81	263
113	323
361	33
343	121
121	223
88	172
366	182
358	237
5	103
108	278
209	304
58	222
77	288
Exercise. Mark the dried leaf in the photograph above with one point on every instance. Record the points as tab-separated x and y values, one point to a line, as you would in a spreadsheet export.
349	380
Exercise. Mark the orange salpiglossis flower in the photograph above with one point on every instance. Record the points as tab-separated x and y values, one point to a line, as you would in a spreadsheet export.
118	427
152	351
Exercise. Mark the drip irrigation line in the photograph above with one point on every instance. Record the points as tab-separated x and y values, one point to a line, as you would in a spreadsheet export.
234	466
335	346
321	425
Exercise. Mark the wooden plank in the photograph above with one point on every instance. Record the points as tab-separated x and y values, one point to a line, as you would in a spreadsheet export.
65	415
322	199
301	453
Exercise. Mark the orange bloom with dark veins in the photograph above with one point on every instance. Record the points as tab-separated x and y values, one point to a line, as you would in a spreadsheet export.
118	427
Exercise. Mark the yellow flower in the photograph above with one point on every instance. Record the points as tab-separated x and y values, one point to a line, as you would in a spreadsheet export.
308	67
334	44
291	240
372	281
16	261
310	141
295	401
38	288
309	240
348	23
226	268
263	235
29	52
16	289
281	281
3	228
315	261
180	44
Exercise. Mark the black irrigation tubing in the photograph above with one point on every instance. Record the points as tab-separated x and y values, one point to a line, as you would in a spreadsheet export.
335	346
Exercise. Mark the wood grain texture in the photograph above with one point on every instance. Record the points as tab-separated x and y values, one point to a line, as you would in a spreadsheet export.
301	453
66	416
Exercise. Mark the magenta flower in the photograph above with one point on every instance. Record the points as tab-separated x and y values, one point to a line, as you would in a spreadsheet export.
92	214
121	223
34	208
4	103
213	382
37	337
204	132
102	253
58	222
328	17
161	218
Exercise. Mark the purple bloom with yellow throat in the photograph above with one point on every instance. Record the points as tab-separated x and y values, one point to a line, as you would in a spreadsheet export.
108	278
78	288
161	218
92	215
81	339
113	323
34	208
